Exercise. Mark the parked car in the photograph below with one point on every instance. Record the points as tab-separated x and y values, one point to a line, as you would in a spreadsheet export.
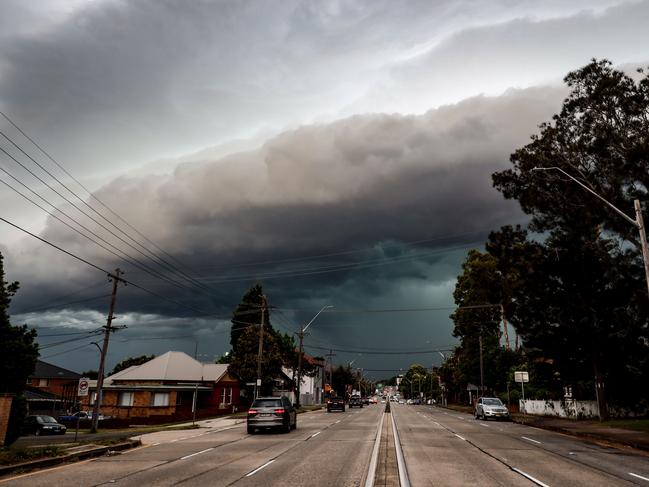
335	404
271	412
355	401
490	407
40	424
82	415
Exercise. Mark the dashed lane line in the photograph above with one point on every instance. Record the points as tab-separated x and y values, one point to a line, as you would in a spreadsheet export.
639	476
197	453
530	439
460	437
528	476
259	468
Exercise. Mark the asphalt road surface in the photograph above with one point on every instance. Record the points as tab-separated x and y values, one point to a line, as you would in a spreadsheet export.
440	447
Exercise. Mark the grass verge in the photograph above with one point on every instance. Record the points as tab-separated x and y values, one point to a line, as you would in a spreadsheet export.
11	456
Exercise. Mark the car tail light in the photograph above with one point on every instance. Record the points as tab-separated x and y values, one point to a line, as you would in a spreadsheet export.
329	401
279	411
252	411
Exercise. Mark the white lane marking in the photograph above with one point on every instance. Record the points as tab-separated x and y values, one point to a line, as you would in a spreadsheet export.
463	439
437	423
156	444
639	476
371	471
197	453
485	425
459	417
530	439
404	481
259	468
337	421
526	475
315	434
173	441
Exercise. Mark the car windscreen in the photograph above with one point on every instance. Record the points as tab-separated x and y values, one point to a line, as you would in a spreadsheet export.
492	402
46	419
267	403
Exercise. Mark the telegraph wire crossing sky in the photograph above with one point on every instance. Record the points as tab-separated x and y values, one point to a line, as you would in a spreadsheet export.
338	152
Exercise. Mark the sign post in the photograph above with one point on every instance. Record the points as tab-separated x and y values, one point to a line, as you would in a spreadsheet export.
522	377
82	391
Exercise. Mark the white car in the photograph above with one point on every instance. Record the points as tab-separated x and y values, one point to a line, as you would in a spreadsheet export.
490	407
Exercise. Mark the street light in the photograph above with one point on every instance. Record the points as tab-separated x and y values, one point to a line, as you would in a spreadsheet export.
638	222
299	359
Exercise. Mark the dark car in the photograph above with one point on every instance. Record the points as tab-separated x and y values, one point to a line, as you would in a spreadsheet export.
367	401
335	404
42	425
355	401
271	412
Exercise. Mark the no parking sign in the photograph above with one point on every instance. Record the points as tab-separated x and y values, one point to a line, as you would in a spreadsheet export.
83	386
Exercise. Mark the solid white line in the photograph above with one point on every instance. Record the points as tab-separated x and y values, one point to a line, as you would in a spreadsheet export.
197	453
371	471
530	439
464	439
437	423
315	434
337	422
536	481
639	476
401	462
258	469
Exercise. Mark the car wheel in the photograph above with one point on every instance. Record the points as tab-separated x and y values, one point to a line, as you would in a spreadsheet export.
475	415
37	432
295	423
287	428
361	406
251	430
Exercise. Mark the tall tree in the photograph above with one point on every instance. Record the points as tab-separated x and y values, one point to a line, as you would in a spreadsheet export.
130	362
247	313
586	304
18	356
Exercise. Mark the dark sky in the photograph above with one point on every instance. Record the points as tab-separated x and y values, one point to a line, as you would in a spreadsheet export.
340	153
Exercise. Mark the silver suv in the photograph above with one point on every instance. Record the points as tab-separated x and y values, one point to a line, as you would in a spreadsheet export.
271	412
490	407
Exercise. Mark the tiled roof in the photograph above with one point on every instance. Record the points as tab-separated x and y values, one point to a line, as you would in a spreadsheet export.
44	370
171	366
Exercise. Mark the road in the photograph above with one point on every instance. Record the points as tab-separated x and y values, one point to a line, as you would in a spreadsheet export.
440	447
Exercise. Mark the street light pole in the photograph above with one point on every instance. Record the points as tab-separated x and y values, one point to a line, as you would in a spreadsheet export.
638	222
299	358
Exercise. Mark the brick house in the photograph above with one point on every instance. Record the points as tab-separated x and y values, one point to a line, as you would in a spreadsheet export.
51	388
164	389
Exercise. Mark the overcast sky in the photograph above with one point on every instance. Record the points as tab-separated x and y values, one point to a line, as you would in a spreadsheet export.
339	152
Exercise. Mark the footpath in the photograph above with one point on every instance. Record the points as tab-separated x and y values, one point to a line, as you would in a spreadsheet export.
588	429
91	446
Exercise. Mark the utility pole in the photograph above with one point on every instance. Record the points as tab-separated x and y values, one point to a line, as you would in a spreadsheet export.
300	334
504	320
104	350
481	366
330	357
261	345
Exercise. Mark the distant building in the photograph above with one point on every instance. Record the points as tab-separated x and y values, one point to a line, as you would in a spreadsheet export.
312	387
164	388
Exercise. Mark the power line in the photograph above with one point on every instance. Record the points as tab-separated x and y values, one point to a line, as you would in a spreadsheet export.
74	256
365	352
128	258
166	264
67	351
41	308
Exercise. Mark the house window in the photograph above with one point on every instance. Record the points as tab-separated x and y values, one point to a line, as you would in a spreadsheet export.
226	395
160	399
29	381
43	382
125	399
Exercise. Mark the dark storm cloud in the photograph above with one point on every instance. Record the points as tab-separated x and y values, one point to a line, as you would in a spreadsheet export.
366	182
116	83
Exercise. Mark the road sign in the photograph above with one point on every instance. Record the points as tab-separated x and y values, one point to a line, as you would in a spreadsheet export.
83	386
521	376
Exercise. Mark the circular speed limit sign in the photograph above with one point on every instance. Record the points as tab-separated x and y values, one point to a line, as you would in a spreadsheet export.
83	386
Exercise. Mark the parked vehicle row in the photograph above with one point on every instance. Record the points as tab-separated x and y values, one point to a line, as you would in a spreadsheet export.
41	424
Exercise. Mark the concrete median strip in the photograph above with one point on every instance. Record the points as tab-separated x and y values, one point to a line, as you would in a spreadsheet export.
71	457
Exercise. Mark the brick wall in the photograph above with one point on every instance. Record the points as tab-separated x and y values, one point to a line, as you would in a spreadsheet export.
5	410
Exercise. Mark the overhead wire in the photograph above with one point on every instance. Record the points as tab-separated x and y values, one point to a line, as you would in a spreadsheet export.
130	259
93	196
